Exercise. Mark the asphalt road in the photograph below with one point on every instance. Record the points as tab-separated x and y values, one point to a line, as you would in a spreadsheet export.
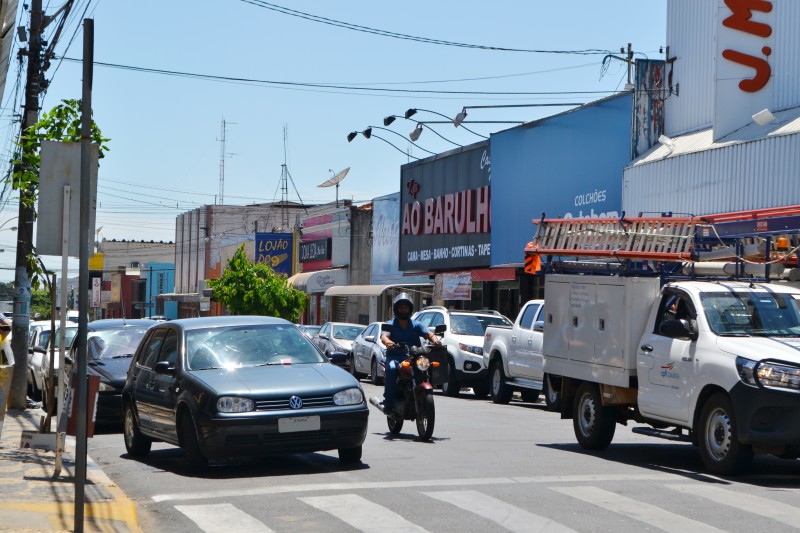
488	468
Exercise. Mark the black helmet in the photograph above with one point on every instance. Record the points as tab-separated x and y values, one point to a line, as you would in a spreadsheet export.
403	298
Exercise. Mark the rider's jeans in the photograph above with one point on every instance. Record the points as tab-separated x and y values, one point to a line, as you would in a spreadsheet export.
390	380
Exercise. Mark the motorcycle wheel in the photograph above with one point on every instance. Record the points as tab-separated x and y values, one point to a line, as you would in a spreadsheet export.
395	424
426	416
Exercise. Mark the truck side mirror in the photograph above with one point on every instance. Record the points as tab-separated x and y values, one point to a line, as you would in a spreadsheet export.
538	325
678	329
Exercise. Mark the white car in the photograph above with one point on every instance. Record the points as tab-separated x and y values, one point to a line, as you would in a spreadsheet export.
369	354
337	338
39	355
464	341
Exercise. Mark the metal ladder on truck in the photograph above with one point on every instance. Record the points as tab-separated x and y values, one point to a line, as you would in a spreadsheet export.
758	236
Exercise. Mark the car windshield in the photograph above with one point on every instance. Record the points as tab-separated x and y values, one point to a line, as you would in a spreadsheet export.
475	324
311	330
252	345
114	343
70	333
758	313
346	332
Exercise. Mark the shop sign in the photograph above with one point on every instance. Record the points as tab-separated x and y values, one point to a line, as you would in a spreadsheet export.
453	286
745	46
445	211
325	279
275	249
317	250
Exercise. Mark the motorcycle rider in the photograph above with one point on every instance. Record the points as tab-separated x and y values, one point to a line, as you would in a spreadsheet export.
403	330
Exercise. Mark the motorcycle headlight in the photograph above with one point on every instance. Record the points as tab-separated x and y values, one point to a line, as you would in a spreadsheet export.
423	363
769	374
477	350
234	404
348	397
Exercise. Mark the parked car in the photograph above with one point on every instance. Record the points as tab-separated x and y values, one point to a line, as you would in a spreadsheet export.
238	386
110	345
311	331
369	354
337	337
39	355
464	341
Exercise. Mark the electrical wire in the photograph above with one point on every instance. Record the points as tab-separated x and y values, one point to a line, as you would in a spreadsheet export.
385	33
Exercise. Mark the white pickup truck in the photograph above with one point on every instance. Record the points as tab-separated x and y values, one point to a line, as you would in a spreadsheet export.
715	363
513	357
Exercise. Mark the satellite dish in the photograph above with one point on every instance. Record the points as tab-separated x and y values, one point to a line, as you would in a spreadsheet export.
335	180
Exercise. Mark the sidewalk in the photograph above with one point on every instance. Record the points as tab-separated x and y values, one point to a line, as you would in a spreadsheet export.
31	500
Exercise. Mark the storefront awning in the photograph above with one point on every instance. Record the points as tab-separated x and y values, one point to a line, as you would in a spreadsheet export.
180	296
318	280
370	290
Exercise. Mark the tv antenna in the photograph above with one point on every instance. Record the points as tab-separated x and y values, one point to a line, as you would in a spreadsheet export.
222	155
335	180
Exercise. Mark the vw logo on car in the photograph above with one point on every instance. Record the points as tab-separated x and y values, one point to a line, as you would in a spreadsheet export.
295	402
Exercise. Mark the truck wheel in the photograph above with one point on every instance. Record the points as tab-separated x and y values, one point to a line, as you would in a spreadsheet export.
720	449
552	392
451	388
530	395
501	392
594	424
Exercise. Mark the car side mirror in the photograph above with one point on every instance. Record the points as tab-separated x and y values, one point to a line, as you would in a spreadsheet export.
369	338
678	329
323	336
538	325
164	368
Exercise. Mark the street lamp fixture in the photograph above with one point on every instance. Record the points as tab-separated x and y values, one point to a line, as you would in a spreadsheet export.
368	134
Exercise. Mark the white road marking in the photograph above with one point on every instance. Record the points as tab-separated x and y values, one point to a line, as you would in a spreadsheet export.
761	506
222	518
313	487
643	512
362	514
508	516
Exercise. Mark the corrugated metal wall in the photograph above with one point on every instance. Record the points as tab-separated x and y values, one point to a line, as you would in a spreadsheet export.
691	30
749	175
690	37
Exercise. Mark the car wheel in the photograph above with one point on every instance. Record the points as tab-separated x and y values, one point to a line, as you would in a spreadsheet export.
720	449
352	362
34	392
501	392
191	446
137	444
451	387
373	376
480	390
530	395
350	455
552	392
593	423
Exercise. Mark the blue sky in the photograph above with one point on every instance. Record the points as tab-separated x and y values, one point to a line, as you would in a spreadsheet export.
164	153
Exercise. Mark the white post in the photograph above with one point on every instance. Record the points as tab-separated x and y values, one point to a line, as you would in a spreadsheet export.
62	331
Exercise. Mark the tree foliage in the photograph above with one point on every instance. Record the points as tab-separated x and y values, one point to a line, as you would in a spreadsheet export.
249	288
62	123
41	304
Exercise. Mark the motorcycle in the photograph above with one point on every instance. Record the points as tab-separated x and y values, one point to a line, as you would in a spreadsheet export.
420	369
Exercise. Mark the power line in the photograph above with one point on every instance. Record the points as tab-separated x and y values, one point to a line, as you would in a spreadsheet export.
385	33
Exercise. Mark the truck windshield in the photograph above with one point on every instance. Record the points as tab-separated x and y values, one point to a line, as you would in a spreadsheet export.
759	313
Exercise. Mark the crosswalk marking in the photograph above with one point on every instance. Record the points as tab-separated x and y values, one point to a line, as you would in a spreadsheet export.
510	517
410	484
765	507
643	512
222	518
362	514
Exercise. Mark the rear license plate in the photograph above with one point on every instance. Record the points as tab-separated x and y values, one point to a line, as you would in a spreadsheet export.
298	423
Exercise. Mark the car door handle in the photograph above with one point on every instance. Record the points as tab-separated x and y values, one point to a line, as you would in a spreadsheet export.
646	348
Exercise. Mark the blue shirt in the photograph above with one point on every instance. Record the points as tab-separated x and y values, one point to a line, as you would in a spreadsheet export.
409	335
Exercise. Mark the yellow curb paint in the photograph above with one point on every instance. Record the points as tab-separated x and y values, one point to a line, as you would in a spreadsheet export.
117	511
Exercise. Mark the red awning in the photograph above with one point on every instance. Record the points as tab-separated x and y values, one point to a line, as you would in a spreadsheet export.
494	274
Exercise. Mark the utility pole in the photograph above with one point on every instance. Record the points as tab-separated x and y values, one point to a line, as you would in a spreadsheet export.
22	283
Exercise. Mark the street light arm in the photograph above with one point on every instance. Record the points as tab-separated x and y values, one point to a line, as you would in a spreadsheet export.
393	146
408	114
403	137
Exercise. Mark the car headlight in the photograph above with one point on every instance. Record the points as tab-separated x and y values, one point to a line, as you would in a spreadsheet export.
234	404
348	397
477	350
769	374
423	363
